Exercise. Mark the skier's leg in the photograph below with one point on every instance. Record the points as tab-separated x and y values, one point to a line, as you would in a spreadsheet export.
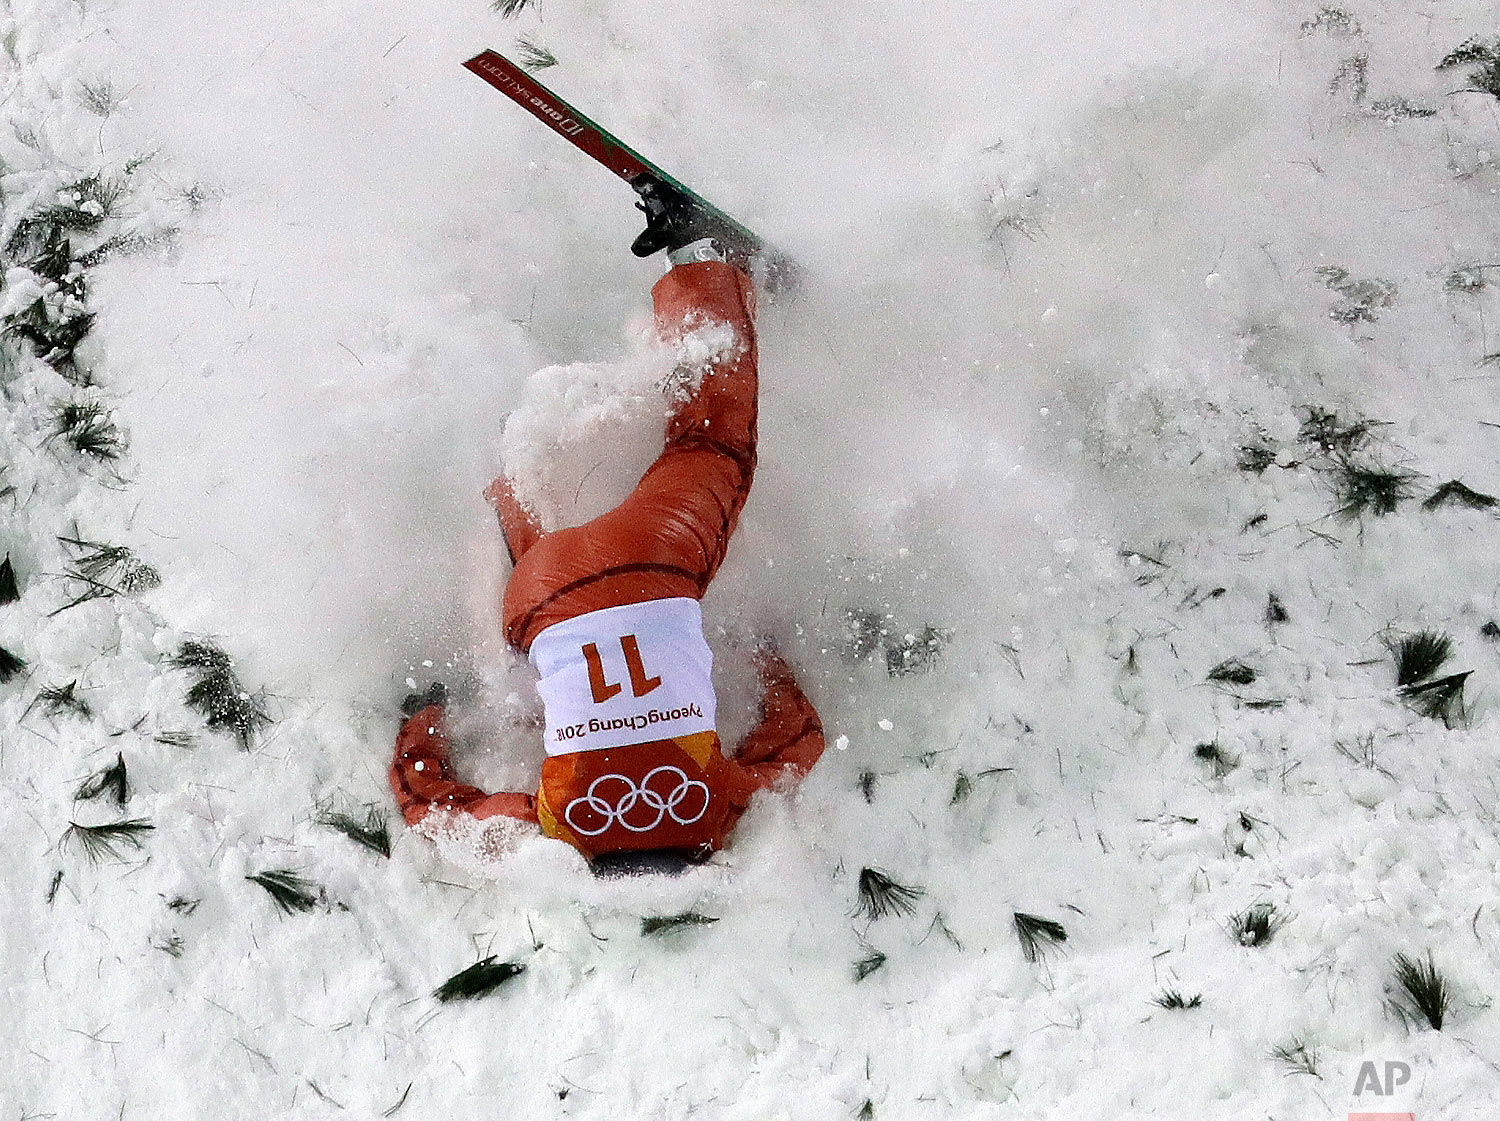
694	492
789	738
721	413
422	780
669	536
517	523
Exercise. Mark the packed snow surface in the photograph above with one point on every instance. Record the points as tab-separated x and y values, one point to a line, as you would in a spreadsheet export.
1069	514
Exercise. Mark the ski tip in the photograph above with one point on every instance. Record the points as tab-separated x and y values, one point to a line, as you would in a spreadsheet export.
477	63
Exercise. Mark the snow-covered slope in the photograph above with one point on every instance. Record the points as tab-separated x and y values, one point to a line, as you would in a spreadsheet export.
1080	284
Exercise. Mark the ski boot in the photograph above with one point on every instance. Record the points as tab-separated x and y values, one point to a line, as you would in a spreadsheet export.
687	232
692	231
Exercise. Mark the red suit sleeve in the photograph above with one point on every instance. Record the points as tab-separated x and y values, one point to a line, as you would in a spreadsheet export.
789	738
423	781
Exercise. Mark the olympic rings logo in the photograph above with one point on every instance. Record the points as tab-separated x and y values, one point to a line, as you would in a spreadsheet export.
639	809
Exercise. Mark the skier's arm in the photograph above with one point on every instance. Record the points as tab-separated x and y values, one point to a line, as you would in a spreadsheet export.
789	738
519	525
421	778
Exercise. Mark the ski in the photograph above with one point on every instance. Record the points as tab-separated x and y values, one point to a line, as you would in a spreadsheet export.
663	198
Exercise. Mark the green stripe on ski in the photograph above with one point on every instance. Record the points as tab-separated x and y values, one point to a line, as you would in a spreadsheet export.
570	124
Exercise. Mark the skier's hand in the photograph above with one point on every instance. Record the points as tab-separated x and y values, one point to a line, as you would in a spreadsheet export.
437	694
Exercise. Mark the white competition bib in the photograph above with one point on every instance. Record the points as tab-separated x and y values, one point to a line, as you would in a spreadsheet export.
625	675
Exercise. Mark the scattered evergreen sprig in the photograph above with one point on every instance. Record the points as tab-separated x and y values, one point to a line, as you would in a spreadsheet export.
879	895
92	590
868	629
110	839
10	590
58	699
1466	279
480	979
508	8
1420	655
665	924
81	207
99	98
1297	1055
1442	699
1254	458
105	571
916	653
54	261
175	739
868	964
47	251
1037	934
1373	489
1261	704
55	335
125	243
10	665
113	780
203	657
373	831
1198	596
1257	924
1332	21
533	56
1331	434
1220	761
1361	298
1232	671
56	321
1456	493
1173	999
1470	50
1424	993
289	891
217	693
111	564
1276	612
89	429
1396	107
1486	79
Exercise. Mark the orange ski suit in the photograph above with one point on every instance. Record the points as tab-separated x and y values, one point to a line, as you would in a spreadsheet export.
666	540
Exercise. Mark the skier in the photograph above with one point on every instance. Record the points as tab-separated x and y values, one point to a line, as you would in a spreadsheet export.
608	612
